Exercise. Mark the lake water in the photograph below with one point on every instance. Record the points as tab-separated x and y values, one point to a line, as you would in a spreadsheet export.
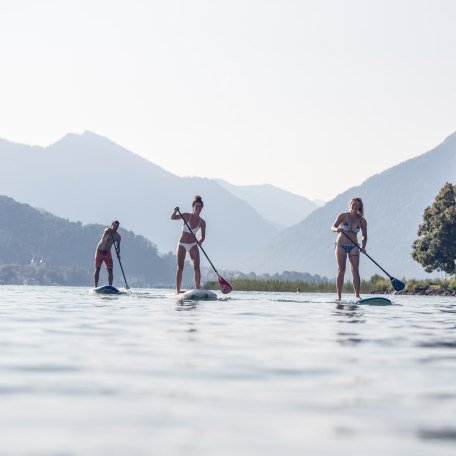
258	373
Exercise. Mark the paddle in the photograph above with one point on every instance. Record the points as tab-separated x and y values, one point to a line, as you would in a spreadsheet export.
225	287
118	257
397	284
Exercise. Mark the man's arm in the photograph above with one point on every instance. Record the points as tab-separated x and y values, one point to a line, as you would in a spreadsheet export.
117	244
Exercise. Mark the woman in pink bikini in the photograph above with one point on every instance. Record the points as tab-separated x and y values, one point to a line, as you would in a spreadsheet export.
187	241
348	225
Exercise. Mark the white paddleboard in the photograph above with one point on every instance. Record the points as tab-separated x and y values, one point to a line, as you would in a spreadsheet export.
196	295
375	301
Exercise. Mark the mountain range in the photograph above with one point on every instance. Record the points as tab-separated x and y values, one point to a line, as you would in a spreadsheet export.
281	208
394	203
90	179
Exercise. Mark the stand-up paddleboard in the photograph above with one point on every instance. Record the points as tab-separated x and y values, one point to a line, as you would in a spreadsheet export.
197	295
375	301
106	289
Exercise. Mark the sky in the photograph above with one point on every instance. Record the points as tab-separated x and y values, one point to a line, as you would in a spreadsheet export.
311	96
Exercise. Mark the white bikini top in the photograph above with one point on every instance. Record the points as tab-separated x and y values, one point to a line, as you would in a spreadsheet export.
195	230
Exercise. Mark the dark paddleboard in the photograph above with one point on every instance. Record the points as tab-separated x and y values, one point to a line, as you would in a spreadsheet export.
375	301
106	289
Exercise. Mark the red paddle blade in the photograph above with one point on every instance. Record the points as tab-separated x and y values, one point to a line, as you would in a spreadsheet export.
225	287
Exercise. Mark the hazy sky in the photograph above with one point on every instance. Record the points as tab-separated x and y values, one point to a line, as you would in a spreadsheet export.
311	96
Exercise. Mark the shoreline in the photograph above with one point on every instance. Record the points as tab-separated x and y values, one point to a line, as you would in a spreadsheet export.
422	292
412	288
376	285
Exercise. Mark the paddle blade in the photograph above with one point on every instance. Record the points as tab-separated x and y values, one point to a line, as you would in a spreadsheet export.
397	284
225	287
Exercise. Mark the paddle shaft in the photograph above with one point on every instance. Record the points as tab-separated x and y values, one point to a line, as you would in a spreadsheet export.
365	253
120	263
191	231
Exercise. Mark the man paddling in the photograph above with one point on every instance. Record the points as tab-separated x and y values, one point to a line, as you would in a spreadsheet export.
103	251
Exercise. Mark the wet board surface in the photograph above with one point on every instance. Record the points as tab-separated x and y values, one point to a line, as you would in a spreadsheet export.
197	295
375	301
106	289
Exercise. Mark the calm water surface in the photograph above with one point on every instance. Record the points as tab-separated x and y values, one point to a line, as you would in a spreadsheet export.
258	373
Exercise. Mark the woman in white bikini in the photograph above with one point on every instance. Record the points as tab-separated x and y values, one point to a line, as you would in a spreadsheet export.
348	225
187	241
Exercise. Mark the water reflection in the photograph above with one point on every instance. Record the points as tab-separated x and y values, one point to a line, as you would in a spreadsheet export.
351	313
349	339
187	324
185	306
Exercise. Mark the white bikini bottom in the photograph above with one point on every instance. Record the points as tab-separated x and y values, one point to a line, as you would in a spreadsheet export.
187	246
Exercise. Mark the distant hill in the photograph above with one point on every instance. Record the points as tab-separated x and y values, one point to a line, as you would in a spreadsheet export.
394	201
90	179
278	206
37	247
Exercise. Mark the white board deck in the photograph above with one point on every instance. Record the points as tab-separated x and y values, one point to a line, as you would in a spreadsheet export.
197	295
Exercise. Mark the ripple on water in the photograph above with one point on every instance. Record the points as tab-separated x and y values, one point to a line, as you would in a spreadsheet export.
256	373
445	433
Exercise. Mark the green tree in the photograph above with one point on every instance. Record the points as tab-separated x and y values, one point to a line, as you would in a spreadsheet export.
435	249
